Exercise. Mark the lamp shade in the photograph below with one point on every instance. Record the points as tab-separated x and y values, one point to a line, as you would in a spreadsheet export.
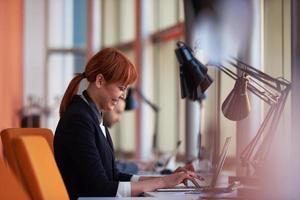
194	79
130	100
237	105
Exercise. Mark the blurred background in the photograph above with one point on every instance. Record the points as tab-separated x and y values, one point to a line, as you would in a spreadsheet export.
43	43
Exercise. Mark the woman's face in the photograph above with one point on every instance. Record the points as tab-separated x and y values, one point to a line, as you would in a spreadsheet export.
112	94
109	95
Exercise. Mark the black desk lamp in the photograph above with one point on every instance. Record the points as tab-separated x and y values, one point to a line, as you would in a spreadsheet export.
273	91
130	101
194	79
131	104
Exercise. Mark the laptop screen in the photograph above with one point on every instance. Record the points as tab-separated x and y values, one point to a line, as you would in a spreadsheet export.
220	162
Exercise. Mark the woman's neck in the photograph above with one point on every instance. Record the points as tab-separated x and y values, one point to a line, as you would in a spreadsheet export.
92	95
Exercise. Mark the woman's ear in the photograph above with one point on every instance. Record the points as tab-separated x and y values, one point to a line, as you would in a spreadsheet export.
99	81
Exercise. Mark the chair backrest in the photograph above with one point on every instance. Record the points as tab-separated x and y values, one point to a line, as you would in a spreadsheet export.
8	135
10	188
39	169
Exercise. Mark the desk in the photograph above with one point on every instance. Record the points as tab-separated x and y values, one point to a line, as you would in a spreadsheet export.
186	197
138	198
222	181
129	198
192	196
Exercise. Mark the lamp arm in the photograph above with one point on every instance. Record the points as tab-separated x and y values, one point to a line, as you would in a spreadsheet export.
227	71
247	153
262	152
156	109
148	102
268	95
262	75
253	86
257	150
261	79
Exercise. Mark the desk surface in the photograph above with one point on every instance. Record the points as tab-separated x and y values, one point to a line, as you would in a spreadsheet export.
191	196
166	197
222	181
139	198
130	198
158	198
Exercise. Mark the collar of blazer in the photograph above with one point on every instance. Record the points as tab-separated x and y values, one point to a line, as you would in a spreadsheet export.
97	115
92	105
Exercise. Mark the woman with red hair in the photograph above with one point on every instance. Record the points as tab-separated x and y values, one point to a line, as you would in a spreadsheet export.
82	145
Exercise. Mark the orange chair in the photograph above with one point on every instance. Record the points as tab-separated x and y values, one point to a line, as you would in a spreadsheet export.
10	188
39	169
8	135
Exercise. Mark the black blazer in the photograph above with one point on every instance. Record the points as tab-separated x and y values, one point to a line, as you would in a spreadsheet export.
84	156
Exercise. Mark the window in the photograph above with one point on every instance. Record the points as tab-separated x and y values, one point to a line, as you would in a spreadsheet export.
67	46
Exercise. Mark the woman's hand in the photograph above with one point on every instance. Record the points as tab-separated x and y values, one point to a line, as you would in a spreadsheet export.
189	168
180	177
146	184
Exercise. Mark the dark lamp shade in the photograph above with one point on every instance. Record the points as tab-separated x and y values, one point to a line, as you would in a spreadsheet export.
131	102
237	105
194	79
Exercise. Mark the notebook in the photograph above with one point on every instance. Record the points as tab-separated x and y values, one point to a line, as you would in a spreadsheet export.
215	175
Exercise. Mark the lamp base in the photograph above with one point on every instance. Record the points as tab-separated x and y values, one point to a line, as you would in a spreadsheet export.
249	191
250	186
245	180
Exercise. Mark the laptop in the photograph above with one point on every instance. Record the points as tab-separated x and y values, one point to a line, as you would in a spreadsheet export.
212	186
174	152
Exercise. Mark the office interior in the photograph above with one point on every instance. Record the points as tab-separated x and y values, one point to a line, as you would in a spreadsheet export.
45	42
